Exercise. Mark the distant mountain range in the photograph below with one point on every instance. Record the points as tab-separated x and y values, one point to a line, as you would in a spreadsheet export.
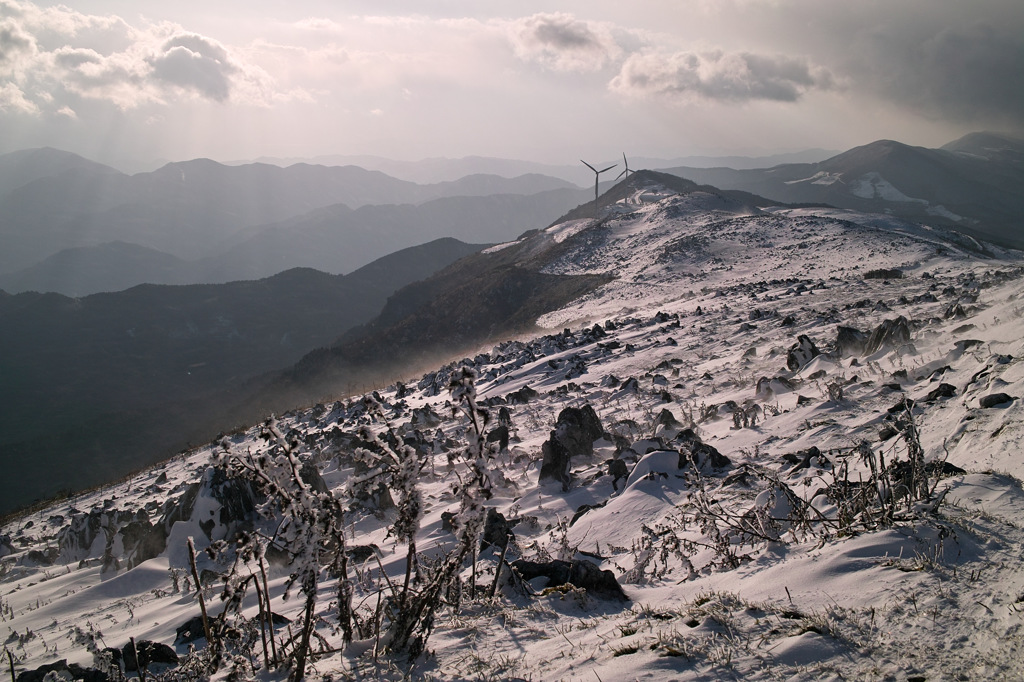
76	227
115	381
435	170
334	239
973	185
203	212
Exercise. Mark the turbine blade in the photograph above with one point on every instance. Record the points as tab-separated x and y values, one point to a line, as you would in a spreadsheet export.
620	175
608	168
588	165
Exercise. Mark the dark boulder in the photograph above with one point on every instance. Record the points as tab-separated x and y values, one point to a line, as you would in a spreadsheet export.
583	509
361	553
425	418
574	434
703	457
448	521
42	557
499	435
149	653
522	396
618	470
555	463
995	399
143	541
890	335
310	475
941	391
804	459
61	669
955	312
964	344
189	631
579	573
630	385
801	352
577	429
666	418
504	417
850	341
497	530
376	499
943	469
766	387
902	406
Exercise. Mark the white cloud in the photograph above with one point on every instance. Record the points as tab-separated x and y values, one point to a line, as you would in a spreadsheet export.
721	76
563	42
12	99
17	47
192	62
57	52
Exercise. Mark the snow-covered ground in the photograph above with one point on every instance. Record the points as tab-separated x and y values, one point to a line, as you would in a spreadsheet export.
724	580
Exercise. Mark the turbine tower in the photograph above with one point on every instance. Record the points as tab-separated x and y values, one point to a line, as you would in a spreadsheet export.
627	171
597	174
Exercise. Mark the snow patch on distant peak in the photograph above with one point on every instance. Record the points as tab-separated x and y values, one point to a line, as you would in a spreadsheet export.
651	194
819	178
500	247
563	231
940	210
873	186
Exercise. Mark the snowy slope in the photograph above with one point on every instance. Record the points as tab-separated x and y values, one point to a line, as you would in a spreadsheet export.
703	321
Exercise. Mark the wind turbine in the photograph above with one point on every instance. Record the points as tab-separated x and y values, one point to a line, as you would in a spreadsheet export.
627	171
597	174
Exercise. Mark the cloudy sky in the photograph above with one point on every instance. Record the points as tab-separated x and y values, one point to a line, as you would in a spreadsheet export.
409	79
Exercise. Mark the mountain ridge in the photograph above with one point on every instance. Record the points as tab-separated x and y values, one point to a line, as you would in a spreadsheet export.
92	377
976	196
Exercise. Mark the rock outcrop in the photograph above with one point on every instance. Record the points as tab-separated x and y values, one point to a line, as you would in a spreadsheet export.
579	573
574	434
801	352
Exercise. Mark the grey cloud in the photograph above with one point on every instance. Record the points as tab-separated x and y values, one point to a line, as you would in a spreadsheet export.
722	76
948	60
969	73
563	42
562	35
195	63
14	44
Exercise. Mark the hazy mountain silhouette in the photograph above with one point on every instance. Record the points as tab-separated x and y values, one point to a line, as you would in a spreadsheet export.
114	381
113	266
53	201
334	239
436	169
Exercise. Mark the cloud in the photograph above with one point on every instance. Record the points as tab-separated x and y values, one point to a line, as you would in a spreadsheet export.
192	62
12	99
50	54
970	72
717	75
562	42
16	45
